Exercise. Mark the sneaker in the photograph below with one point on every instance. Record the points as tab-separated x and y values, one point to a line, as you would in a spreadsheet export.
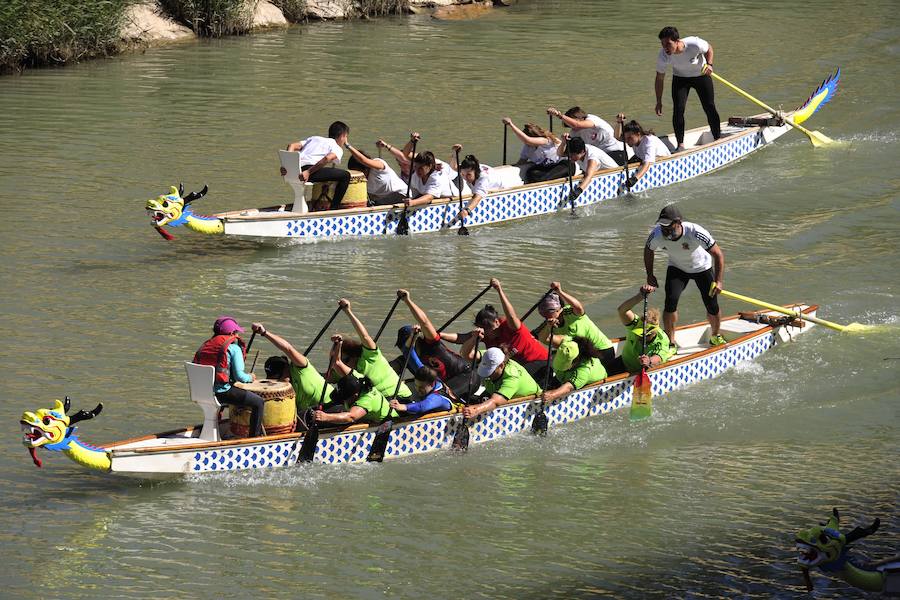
716	340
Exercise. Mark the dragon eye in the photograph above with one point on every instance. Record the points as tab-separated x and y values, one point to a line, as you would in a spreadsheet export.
46	420
165	204
823	538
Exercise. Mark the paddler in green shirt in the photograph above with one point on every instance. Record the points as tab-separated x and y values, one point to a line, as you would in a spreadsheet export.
576	364
306	381
366	358
569	320
658	349
362	402
504	379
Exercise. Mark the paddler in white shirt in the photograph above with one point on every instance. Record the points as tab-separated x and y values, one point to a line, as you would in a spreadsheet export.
383	185
647	147
691	59
592	129
590	158
316	152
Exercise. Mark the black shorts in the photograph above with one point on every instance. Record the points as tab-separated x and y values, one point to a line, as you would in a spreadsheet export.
677	280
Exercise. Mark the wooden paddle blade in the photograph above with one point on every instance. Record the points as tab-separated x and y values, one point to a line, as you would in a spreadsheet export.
461	437
463	230
819	139
379	444
641	397
540	423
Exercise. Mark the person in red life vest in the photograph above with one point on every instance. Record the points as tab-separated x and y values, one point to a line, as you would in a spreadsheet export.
510	333
225	351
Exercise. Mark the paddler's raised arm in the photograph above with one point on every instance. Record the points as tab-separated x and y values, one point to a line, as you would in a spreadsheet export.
369	163
430	333
361	330
339	366
512	318
524	137
625	313
572	301
282	344
570	121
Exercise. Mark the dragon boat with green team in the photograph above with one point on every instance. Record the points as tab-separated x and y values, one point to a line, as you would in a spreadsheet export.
292	223
200	449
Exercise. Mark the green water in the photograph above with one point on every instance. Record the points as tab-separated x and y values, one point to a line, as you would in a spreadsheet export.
700	501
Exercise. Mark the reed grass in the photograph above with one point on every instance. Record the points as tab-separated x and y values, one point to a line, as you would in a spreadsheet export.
377	8
212	18
55	32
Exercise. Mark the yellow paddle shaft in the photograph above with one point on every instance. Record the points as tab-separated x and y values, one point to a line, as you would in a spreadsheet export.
784	310
814	136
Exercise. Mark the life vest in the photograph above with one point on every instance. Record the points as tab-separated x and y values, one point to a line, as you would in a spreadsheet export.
214	352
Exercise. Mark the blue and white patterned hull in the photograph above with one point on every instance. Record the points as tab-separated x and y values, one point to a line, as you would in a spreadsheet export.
518	203
436	433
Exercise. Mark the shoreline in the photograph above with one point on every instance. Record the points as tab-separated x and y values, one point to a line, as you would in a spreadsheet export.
138	25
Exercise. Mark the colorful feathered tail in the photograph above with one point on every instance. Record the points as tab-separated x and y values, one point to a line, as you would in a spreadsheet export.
818	98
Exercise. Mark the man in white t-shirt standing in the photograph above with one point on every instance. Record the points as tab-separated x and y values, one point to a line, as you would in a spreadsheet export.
691	59
316	152
693	254
592	129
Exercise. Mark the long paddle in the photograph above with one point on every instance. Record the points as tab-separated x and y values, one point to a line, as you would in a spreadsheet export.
642	393
505	131
551	122
383	433
403	223
322	331
625	150
851	328
386	319
464	308
540	422
817	138
463	230
308	448
461	437
571	198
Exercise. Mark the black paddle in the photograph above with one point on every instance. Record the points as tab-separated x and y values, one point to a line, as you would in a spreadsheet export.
387	318
463	230
321	331
505	130
540	422
551	122
461	437
403	223
571	195
536	304
383	433
464	308
247	351
308	448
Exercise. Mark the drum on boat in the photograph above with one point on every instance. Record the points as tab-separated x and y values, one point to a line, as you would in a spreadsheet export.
279	414
355	197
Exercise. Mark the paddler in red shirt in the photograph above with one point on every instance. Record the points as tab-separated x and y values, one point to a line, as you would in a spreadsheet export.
510	333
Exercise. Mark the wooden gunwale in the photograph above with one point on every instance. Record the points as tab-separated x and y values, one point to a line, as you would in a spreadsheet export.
438	415
270	213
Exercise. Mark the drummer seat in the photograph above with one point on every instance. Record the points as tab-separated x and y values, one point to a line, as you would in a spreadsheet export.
302	189
200	381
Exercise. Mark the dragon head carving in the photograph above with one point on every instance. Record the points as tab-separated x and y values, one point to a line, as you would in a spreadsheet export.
49	427
825	546
172	209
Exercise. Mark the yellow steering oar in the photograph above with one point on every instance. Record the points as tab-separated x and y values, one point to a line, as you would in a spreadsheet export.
817	138
851	328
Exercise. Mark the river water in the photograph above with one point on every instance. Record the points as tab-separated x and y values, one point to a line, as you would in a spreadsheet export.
701	501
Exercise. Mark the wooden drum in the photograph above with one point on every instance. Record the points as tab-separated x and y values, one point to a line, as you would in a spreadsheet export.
355	197
279	415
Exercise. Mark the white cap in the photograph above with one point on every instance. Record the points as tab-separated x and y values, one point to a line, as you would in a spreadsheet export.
490	360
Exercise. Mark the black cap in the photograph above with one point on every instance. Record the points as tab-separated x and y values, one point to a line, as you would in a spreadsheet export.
275	366
575	145
669	215
346	387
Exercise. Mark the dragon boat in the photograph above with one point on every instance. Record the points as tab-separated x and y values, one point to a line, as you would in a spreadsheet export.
740	137
199	449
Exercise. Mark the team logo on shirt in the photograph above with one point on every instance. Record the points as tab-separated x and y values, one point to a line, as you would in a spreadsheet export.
685	246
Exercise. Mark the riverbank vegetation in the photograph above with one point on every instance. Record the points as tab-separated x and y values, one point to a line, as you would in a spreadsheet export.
55	32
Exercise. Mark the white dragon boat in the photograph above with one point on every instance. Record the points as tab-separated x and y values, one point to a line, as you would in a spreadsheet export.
199	449
279	224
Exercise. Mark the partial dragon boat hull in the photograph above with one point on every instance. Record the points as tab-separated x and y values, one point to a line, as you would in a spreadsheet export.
178	453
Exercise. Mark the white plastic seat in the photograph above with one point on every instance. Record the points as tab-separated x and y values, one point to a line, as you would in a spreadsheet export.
291	163
200	381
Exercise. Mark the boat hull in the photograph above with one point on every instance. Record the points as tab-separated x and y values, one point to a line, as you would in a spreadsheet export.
518	203
148	459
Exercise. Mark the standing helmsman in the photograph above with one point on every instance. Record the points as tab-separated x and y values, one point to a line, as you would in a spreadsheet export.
693	254
692	60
